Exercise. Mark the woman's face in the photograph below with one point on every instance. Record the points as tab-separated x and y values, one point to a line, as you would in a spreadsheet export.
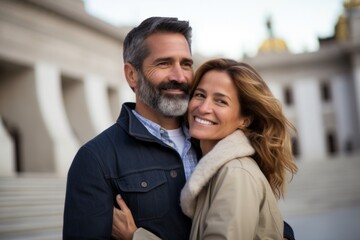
214	109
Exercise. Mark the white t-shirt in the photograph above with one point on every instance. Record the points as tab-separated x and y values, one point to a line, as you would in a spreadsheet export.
178	137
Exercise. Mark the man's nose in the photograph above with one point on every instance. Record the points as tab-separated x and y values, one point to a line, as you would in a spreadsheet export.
179	74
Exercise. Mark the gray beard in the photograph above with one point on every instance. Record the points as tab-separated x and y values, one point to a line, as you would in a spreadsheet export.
166	104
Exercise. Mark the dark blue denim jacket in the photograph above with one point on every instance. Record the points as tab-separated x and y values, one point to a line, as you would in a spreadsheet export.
125	159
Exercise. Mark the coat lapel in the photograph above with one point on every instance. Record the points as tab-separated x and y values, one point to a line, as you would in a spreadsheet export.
236	145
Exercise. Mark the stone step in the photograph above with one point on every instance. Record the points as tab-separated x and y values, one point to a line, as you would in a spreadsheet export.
31	199
31	207
39	233
322	185
22	183
43	234
13	227
29	211
30	222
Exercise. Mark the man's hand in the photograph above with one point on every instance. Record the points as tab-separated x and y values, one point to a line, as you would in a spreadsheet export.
123	222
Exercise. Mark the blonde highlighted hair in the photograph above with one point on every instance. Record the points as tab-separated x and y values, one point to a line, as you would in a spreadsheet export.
270	131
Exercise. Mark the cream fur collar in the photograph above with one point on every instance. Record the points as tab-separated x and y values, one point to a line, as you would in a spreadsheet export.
234	146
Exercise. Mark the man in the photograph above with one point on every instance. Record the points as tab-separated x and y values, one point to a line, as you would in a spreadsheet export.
146	156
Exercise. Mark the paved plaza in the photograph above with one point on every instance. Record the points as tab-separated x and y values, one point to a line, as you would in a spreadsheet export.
323	201
335	224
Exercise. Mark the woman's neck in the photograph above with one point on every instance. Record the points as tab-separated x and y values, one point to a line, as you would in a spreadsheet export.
207	145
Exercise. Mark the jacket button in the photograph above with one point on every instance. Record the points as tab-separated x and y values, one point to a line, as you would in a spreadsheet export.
173	173
144	184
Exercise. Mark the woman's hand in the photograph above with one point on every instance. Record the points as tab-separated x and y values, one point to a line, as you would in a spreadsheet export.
123	222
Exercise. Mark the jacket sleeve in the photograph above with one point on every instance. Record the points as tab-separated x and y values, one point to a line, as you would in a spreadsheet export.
89	200
288	232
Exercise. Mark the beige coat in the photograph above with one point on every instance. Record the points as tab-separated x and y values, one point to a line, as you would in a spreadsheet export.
228	197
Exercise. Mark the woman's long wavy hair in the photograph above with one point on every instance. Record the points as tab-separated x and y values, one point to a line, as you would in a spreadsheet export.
270	131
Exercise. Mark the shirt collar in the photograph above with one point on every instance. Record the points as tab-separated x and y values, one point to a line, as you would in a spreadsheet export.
155	129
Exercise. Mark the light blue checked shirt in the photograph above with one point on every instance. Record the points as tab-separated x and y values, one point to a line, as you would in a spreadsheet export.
188	154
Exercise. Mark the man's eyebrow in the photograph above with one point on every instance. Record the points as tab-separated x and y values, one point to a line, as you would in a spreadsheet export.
169	59
187	60
164	59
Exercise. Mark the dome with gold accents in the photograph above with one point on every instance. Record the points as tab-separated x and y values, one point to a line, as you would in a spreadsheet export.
341	29
348	4
272	44
342	26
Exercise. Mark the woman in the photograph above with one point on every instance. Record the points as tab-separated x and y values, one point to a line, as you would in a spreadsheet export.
244	137
245	140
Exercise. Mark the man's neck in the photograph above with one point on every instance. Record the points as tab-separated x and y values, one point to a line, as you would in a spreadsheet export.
167	123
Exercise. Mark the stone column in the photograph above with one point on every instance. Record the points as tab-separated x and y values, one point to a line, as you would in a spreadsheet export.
77	109
20	110
309	120
97	102
353	15
356	75
7	156
343	98
63	143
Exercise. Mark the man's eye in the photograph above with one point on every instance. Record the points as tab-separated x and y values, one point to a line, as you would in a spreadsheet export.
163	64
187	65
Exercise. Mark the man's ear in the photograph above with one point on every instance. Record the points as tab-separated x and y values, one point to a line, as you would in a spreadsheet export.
131	75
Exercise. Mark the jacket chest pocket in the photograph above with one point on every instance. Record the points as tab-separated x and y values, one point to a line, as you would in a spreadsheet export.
145	193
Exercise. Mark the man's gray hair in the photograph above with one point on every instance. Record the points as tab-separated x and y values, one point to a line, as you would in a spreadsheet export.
135	49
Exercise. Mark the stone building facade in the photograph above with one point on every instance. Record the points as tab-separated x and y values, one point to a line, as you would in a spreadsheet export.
61	83
320	91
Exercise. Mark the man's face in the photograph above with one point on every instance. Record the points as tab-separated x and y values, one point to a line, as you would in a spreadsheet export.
164	82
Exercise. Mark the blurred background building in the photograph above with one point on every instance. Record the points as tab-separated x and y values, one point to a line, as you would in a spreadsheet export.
320	90
61	83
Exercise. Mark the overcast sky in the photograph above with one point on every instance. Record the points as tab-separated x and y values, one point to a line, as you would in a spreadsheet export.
231	28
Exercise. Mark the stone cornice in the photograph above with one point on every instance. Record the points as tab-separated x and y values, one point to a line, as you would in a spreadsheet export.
75	11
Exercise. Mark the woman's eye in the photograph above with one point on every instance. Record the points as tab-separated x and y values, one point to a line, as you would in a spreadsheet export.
199	95
221	101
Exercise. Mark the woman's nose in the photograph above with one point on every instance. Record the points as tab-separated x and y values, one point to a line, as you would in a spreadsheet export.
205	106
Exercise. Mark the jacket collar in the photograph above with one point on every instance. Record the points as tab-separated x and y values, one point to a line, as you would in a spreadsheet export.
129	122
236	145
